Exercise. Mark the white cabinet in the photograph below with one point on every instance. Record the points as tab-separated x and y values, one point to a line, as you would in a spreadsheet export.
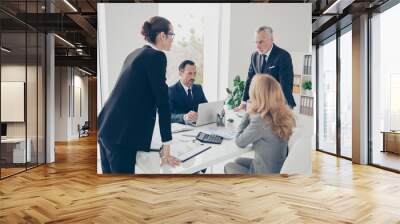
17	145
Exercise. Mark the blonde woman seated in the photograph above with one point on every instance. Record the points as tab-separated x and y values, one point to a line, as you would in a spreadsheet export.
268	124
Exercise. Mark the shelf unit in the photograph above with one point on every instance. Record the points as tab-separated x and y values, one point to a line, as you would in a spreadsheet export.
306	104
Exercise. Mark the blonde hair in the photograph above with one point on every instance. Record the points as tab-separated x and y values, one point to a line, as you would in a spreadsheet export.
267	99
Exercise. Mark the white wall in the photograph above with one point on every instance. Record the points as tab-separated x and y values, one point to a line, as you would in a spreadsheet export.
224	50
119	27
68	81
292	32
17	73
211	52
228	44
33	126
61	103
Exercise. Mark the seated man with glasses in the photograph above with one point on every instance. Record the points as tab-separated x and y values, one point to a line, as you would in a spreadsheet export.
185	96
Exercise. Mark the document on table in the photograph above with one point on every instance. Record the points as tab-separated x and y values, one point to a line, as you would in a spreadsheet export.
225	133
176	127
184	152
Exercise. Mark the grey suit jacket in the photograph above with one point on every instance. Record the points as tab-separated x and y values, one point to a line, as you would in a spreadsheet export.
269	150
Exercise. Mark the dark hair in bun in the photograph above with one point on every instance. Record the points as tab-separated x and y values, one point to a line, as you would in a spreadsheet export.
153	27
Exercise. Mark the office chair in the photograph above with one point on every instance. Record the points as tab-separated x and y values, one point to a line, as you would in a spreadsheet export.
299	159
84	130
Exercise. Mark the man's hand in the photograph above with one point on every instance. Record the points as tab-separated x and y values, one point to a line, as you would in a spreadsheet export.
240	107
191	116
166	157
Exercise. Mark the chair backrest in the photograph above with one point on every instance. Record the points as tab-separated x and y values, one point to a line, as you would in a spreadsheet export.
299	160
86	125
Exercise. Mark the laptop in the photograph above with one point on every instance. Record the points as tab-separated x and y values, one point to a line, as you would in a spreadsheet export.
207	112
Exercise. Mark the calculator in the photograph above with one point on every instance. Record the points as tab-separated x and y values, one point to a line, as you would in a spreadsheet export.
206	138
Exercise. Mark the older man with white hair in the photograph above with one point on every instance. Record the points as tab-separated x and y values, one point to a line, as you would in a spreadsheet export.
272	60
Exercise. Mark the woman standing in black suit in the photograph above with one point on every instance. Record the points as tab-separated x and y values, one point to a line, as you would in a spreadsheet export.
127	120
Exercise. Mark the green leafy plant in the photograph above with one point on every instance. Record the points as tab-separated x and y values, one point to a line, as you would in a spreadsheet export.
235	95
307	85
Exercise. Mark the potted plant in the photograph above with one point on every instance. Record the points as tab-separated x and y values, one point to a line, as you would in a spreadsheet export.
307	86
235	95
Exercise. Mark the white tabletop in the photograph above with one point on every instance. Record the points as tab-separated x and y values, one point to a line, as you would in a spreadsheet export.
149	162
13	140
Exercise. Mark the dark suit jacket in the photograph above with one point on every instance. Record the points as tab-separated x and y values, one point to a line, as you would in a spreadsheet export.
127	120
179	101
279	65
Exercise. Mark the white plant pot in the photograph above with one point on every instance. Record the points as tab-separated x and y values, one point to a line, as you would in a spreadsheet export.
307	92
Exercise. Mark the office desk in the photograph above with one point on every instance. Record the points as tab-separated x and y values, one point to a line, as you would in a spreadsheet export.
391	141
149	162
13	150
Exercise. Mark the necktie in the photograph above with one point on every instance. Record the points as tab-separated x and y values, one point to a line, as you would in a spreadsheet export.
190	98
263	63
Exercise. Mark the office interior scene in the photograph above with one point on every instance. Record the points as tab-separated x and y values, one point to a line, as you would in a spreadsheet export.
215	42
345	83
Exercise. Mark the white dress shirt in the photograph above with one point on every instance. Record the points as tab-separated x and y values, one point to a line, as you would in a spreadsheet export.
186	88
153	46
266	59
266	55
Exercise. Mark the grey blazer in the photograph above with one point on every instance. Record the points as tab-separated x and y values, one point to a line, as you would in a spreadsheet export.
269	150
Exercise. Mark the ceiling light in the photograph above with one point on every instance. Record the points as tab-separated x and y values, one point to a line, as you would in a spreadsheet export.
70	5
84	71
5	50
337	7
65	41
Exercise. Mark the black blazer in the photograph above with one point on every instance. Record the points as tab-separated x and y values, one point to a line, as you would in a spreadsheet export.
279	65
128	117
179	101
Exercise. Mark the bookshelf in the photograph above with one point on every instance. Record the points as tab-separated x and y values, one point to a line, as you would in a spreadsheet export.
306	97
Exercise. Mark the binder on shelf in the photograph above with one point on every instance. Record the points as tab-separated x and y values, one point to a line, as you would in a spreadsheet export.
307	64
307	105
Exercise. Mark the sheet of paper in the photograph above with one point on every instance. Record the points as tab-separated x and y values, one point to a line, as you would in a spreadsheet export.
184	151
176	127
225	133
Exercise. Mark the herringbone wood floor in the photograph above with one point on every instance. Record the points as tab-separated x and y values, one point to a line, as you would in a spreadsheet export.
70	191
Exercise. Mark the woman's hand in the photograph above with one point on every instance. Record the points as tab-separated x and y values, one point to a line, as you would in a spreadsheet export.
166	157
249	107
240	107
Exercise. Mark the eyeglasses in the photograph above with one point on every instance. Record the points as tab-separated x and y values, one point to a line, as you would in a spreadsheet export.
171	34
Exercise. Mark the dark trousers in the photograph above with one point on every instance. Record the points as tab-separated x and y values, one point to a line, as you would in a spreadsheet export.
117	160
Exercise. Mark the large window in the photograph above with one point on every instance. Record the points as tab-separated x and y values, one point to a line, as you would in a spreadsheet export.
385	89
197	38
188	42
335	94
327	96
346	93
